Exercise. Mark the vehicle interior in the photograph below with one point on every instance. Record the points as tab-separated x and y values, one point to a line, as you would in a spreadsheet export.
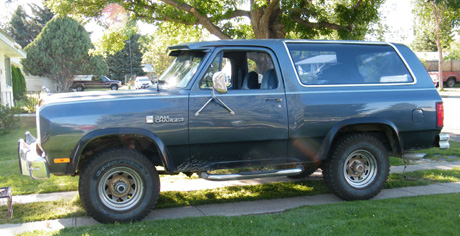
245	70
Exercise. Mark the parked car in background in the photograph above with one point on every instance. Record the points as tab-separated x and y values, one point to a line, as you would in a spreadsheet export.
82	82
450	72
434	77
142	82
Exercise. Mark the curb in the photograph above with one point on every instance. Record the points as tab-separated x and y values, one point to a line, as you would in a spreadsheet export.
449	94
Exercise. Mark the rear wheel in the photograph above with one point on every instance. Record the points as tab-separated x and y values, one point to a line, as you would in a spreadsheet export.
119	185
357	168
80	88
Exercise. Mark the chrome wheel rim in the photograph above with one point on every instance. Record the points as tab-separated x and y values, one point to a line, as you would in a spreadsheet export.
360	168
120	188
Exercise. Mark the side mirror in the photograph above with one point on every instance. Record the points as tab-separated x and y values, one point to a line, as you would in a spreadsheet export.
219	82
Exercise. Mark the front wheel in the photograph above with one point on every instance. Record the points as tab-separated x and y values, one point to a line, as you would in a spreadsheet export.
114	87
119	185
357	168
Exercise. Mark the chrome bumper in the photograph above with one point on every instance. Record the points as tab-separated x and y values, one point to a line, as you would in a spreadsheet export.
444	141
30	162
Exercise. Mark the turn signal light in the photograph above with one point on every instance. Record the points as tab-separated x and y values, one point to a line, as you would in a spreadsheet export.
62	160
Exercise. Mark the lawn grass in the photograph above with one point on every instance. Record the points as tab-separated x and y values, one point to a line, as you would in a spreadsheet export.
10	175
423	215
440	154
65	209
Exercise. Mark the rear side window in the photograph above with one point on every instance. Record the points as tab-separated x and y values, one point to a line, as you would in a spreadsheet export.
337	64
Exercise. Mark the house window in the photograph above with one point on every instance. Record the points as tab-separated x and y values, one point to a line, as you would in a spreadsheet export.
8	78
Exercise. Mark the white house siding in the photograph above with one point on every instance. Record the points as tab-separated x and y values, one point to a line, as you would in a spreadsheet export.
35	83
9	50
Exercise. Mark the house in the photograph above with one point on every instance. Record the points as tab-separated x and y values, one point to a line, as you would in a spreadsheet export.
10	53
150	71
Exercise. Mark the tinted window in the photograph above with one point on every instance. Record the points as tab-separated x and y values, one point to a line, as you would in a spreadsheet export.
332	64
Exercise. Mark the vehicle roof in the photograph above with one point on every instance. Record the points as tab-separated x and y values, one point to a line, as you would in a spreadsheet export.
259	42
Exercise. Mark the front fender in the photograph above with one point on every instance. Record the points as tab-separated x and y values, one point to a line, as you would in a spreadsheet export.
85	140
359	125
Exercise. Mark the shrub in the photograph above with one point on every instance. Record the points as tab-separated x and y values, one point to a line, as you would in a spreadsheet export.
8	118
19	83
28	103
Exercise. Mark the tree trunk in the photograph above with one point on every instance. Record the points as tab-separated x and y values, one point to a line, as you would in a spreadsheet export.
437	17
266	21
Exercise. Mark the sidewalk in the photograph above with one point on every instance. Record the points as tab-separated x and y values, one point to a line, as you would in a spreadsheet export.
232	209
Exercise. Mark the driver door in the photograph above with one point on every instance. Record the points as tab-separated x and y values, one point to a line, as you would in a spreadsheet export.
256	134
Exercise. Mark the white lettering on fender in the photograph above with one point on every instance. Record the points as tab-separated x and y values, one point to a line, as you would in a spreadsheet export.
167	119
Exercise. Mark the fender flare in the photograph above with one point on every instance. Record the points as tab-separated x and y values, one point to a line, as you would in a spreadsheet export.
325	147
85	140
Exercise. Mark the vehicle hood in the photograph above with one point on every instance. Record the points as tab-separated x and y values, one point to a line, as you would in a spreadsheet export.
95	96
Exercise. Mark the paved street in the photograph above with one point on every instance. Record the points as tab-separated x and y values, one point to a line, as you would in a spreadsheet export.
452	116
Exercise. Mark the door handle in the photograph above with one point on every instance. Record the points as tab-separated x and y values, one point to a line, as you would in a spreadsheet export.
274	99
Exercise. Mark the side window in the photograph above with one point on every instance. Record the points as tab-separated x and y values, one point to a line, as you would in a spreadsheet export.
382	67
220	63
244	70
335	64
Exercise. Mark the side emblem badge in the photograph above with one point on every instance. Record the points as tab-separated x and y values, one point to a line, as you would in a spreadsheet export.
163	119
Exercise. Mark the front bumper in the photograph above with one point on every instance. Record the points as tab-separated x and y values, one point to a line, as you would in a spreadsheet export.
32	163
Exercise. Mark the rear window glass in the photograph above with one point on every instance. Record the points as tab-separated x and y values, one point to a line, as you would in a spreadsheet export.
336	64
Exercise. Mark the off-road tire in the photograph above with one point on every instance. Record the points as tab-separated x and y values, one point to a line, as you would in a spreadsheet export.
119	185
357	167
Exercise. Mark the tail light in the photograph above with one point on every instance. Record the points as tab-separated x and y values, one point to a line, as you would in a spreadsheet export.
439	114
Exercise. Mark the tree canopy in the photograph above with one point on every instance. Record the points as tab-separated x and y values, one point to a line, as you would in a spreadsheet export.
24	28
166	35
348	19
60	52
443	17
425	25
130	56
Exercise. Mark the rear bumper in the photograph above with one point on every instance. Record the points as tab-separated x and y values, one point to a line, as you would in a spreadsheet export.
32	163
444	141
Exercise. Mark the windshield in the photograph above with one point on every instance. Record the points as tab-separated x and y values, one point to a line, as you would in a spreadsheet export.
143	80
181	71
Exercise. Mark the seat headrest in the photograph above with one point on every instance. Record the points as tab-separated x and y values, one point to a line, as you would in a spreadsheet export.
251	81
269	81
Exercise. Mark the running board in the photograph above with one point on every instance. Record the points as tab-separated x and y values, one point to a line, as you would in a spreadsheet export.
251	175
413	156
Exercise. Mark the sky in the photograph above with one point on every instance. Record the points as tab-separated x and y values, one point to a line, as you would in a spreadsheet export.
398	17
